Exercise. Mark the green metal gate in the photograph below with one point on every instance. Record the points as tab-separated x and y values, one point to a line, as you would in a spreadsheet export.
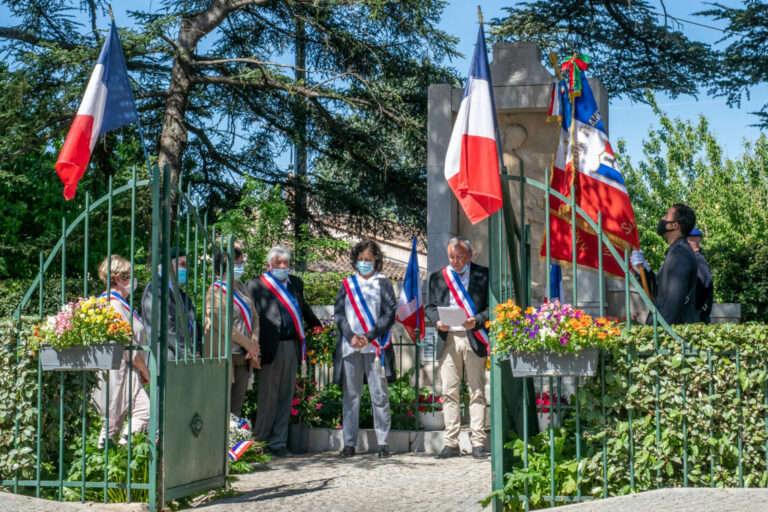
185	447
510	264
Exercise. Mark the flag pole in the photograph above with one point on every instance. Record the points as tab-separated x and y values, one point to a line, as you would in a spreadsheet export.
133	99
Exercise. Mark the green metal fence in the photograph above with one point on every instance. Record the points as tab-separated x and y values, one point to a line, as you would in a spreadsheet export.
510	263
187	388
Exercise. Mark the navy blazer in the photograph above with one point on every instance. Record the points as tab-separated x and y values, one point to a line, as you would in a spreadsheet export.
270	319
439	295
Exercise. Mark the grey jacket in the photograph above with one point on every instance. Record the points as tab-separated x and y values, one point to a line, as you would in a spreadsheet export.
383	324
181	315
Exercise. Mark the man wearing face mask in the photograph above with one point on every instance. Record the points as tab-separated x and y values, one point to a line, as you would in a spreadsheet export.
183	332
245	325
282	310
461	284
674	287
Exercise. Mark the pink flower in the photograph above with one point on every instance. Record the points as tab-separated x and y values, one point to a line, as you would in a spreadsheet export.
294	412
409	413
295	401
338	427
319	406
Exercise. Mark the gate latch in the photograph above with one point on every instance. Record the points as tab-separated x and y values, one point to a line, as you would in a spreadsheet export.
197	424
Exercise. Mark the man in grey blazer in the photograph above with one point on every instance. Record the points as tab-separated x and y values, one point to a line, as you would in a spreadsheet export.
183	332
465	350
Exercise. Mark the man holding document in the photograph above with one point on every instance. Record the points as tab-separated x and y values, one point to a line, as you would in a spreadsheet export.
458	304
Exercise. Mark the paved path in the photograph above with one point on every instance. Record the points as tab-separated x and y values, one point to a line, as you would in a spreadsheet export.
323	482
680	500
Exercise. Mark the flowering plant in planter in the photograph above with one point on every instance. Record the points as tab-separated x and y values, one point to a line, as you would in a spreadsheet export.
321	343
305	405
91	321
552	327
429	402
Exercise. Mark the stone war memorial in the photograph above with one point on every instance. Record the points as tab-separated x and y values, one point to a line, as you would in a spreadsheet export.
269	316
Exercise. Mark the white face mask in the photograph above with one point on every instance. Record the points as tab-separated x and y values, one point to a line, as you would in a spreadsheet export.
239	270
132	286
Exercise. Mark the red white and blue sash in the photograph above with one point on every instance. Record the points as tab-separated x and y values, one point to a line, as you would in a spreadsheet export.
464	301
287	300
245	311
124	303
363	315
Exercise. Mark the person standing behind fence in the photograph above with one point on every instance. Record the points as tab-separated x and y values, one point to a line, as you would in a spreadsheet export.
282	310
705	287
183	331
245	326
674	287
126	391
461	284
364	311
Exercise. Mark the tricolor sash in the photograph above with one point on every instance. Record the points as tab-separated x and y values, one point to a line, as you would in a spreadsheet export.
124	303
287	300
363	319
245	311
464	301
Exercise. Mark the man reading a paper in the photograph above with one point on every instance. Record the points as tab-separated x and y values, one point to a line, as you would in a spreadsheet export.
461	287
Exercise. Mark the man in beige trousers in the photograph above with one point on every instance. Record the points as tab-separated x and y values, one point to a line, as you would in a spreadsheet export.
461	284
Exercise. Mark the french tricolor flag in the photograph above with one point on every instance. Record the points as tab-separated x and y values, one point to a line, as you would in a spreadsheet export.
107	105
472	160
410	310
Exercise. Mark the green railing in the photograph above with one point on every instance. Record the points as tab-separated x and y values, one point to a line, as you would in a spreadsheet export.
510	264
45	456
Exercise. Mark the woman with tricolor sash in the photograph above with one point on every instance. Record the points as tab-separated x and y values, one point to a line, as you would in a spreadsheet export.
244	348
364	312
126	384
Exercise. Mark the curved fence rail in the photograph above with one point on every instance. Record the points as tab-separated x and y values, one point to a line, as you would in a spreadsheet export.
512	398
56	423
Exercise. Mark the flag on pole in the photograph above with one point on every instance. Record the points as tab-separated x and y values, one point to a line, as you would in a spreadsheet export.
107	105
472	160
556	288
585	158
410	310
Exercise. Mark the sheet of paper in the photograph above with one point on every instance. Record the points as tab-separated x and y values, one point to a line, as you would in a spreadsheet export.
453	316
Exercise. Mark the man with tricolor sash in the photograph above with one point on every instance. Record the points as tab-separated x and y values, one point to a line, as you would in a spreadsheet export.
461	284
279	300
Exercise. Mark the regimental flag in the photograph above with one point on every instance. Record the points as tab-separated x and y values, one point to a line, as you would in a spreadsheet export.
472	160
107	105
239	449
585	158
410	310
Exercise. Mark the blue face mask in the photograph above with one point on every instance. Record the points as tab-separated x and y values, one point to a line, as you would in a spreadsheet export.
182	276
464	269
364	267
239	270
281	274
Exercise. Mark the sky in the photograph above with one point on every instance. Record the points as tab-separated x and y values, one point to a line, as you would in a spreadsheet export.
630	121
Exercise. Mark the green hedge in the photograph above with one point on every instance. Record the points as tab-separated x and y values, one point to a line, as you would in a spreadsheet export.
736	409
18	406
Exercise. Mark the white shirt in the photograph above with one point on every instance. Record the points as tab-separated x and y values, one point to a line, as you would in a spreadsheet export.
464	278
371	290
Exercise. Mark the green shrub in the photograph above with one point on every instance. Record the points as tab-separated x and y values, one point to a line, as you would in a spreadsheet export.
18	401
714	423
321	288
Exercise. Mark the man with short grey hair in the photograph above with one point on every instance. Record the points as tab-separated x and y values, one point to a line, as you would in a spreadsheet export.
462	284
279	300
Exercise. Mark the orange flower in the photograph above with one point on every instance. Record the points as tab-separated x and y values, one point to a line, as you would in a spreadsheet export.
602	335
488	324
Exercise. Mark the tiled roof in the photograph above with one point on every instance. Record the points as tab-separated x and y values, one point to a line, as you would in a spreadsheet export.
392	269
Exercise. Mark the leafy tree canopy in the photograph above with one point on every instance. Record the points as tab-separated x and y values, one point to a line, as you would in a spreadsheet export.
222	97
639	45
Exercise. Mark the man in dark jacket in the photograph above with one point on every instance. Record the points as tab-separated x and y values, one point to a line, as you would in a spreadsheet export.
464	348
279	300
183	331
674	287
705	287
